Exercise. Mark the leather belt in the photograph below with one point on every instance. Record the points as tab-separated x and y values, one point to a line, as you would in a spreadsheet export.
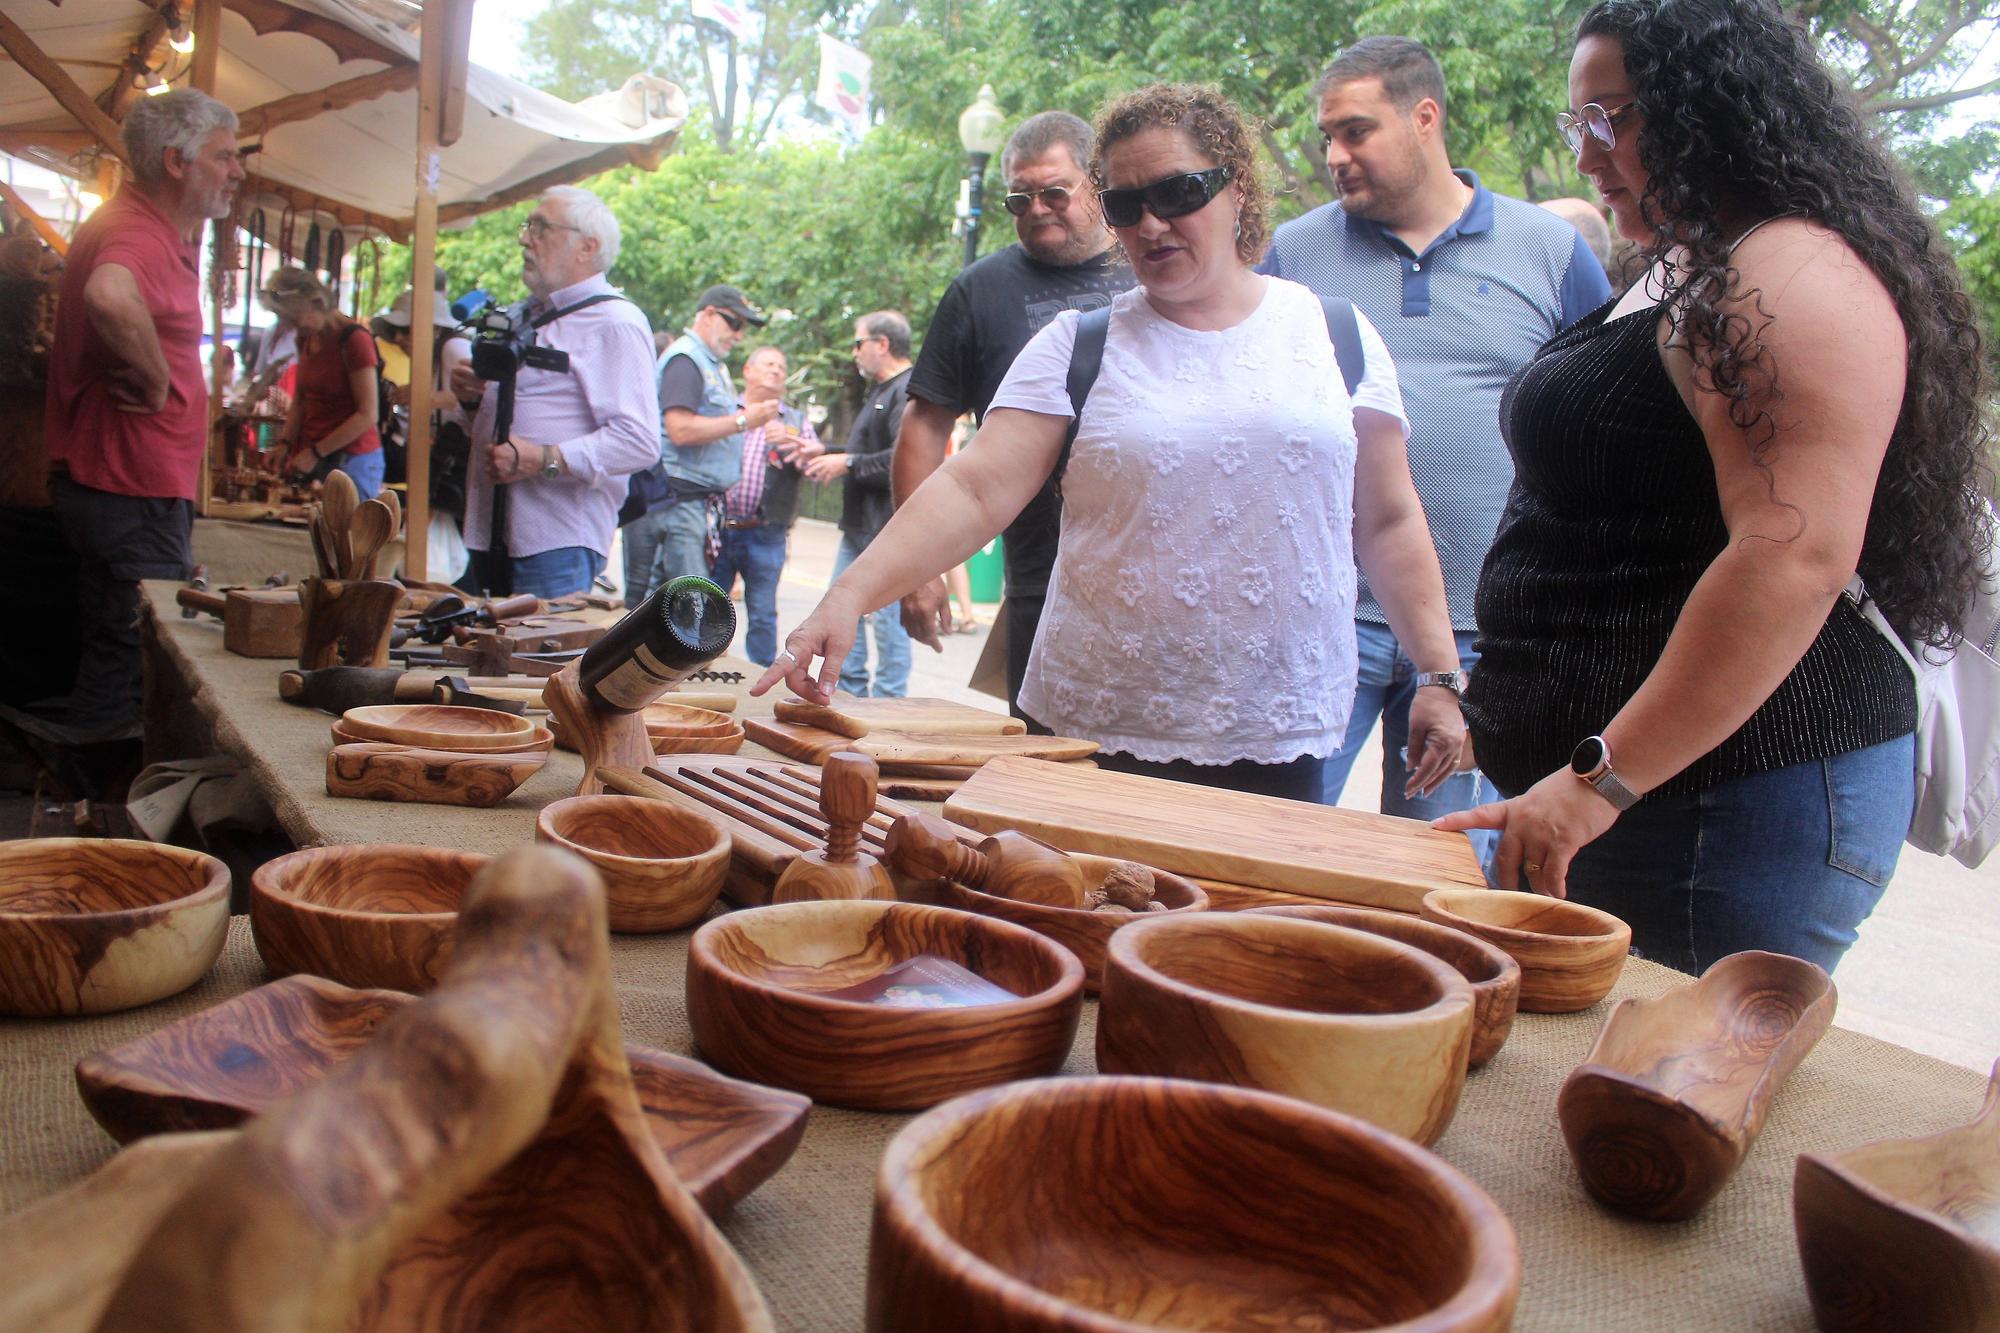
738	524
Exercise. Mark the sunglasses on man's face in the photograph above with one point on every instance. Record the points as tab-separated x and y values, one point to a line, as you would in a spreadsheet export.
1174	197
1055	198
735	322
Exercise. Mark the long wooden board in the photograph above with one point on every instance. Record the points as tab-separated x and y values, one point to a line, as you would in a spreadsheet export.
1256	841
893	750
911	717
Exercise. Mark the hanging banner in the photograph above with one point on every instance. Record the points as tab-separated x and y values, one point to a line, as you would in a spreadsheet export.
734	18
843	83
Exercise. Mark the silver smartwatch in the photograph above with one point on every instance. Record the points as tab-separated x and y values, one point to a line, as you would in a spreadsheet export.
1451	680
1591	762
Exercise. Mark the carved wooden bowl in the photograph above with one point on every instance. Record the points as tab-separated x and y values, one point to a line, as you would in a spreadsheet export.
1664	1108
1083	933
1110	1205
672	719
1349	1020
94	925
539	740
216	1069
1905	1233
662	864
1494	977
754	1001
439	726
361	915
1570	955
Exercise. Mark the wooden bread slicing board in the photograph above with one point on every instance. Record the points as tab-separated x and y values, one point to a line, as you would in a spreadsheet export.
892	749
1260	842
911	717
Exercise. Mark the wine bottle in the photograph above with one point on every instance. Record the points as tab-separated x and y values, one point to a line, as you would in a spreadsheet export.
677	631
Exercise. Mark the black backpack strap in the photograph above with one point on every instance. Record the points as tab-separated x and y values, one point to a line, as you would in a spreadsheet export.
1086	358
1345	330
599	299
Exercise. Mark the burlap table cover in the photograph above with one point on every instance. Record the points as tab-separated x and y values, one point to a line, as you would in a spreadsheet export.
249	553
804	1233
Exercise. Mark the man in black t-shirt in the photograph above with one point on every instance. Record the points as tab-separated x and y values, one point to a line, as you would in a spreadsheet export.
1065	260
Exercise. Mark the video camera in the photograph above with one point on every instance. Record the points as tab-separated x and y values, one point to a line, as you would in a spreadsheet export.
503	342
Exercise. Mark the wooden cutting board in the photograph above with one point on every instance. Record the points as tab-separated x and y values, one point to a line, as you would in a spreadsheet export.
1256	841
912	717
893	750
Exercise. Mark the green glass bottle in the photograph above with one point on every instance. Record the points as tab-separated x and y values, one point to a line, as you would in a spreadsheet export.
681	628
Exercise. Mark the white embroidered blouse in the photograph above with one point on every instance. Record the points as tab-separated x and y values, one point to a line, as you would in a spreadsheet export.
1202	602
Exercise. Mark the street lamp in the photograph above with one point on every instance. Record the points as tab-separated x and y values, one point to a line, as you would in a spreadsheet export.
979	130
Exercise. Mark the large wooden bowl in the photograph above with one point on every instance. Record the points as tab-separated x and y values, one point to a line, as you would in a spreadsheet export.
539	740
361	915
1494	977
1570	955
439	726
93	925
1905	1233
1349	1020
662	864
1664	1108
1110	1205
753	996
1083	933
216	1069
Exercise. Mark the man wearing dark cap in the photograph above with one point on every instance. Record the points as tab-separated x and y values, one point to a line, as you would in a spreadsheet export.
701	449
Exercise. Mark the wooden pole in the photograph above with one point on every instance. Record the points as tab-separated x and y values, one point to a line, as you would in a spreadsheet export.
16	42
206	27
43	227
423	293
207	30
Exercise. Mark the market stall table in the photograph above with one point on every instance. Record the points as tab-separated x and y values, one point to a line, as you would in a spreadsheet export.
804	1233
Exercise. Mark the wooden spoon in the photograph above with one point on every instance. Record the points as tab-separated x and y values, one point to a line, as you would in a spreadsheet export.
372	525
394	503
337	504
322	547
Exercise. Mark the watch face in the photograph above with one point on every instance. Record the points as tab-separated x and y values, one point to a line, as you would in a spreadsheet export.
1588	756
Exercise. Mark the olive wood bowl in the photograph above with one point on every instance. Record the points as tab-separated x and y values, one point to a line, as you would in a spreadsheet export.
1111	1205
1494	977
665	718
381	915
1570	955
94	925
1084	933
753	998
539	740
671	742
1661	1112
1905	1233
439	726
217	1068
1352	1021
662	864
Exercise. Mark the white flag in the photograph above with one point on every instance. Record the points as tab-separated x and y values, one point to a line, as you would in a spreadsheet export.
733	16
843	83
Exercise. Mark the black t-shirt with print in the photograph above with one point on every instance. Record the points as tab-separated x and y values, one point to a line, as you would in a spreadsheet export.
984	320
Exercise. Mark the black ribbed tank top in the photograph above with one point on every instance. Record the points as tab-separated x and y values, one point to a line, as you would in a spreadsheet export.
1612	518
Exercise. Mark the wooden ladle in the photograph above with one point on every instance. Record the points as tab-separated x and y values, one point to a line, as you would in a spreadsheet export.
372	525
484	1162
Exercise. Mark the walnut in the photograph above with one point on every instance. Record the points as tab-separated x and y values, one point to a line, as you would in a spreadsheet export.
1129	885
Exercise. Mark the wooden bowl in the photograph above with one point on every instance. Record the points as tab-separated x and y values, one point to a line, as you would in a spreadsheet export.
1349	1020
94	925
439	727
672	719
754	997
1664	1108
361	915
1570	955
217	1068
1110	1205
373	771
1494	977
539	740
1083	933
669	742
1905	1233
662	864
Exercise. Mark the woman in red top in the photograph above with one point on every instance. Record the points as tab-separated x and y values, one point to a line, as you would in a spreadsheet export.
333	411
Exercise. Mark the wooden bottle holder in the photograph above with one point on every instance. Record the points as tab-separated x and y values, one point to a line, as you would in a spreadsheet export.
598	734
346	622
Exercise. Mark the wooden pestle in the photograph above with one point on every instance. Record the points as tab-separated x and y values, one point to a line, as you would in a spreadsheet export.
846	799
1009	864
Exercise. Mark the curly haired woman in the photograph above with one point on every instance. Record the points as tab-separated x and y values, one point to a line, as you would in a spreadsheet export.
1702	733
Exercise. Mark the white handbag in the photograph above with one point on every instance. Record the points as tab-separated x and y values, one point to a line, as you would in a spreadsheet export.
1958	721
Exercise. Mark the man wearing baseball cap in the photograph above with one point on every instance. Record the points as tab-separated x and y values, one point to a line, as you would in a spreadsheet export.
701	449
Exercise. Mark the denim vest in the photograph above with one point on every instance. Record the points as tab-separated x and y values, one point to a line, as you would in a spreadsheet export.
704	467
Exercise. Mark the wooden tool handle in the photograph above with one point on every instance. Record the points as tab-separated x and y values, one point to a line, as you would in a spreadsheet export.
196	600
511	608
926	847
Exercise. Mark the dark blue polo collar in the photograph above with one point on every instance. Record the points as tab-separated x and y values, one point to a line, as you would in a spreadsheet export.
1477	219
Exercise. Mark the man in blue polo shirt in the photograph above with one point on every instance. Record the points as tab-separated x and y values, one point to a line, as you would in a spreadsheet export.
1463	285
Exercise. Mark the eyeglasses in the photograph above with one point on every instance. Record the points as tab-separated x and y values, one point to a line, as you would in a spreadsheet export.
735	322
869	339
537	227
1055	198
1602	124
1174	197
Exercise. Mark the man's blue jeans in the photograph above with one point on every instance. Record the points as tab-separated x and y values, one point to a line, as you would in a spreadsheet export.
1791	861
563	572
758	554
1384	690
892	642
664	544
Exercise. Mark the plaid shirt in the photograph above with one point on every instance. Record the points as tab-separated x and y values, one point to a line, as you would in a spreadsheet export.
745	499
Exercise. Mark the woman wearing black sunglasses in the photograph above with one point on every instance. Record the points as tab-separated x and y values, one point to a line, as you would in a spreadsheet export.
1791	393
1222	483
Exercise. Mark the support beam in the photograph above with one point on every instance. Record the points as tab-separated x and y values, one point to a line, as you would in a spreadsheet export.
617	155
268	16
117	99
434	62
50	75
451	72
54	141
303	106
43	227
207	32
396	229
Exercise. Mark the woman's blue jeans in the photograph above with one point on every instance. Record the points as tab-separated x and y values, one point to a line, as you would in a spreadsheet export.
1791	861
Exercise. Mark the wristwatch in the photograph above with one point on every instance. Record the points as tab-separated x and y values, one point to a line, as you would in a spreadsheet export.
552	468
1591	762
1451	680
742	422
